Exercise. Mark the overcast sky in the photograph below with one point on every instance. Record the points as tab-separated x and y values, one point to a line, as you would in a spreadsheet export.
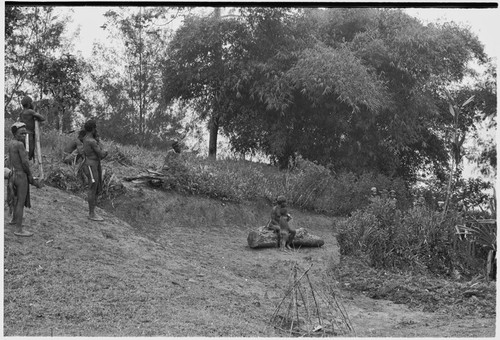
483	22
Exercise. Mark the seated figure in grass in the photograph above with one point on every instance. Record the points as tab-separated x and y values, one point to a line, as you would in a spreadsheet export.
279	223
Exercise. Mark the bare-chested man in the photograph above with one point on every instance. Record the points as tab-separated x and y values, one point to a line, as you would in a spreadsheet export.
20	177
279	222
28	117
93	153
73	152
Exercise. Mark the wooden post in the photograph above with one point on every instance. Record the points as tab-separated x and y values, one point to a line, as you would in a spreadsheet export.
38	149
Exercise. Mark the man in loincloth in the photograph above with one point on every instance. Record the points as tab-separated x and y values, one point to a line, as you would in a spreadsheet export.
279	223
28	117
93	153
19	178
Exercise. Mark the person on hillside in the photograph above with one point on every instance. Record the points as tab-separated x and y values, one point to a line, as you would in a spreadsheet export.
19	178
420	201
392	198
28	117
92	169
279	223
373	194
73	152
172	156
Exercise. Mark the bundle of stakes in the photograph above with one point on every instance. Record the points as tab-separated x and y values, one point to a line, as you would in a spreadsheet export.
305	311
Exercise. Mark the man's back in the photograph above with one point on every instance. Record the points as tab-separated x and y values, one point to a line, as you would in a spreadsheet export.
92	150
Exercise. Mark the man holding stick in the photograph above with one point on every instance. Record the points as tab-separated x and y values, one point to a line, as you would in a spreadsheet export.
93	153
28	117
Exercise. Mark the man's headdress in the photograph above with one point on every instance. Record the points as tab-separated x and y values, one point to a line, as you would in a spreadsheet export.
16	126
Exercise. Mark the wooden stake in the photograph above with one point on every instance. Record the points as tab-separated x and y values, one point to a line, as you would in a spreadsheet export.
38	149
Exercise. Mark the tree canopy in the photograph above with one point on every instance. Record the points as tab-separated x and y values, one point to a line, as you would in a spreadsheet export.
359	89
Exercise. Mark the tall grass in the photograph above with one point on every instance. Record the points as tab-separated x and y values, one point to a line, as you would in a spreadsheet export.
418	239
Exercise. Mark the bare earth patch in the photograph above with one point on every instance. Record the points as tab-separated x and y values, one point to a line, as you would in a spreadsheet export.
165	264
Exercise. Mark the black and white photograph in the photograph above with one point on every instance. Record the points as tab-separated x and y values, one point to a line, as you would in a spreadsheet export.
250	169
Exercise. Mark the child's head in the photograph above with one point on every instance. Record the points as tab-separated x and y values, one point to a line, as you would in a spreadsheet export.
281	200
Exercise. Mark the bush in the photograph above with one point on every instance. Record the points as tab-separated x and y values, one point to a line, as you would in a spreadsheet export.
306	186
418	239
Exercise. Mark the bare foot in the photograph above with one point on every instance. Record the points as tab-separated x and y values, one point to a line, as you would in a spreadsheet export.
96	218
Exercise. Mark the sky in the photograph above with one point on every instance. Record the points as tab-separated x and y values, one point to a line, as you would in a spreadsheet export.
483	22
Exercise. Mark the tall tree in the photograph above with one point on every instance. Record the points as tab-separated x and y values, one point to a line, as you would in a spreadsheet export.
61	78
359	88
203	64
144	36
125	82
31	33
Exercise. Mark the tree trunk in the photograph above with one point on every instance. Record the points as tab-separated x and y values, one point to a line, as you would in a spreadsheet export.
214	120
214	130
266	238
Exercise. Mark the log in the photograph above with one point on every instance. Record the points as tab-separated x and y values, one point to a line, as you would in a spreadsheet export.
144	177
266	238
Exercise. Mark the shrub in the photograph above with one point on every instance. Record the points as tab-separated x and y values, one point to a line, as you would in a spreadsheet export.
306	186
416	239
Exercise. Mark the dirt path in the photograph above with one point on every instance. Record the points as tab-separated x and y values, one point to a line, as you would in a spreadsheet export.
172	265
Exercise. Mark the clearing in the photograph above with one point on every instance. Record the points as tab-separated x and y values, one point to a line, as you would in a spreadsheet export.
166	264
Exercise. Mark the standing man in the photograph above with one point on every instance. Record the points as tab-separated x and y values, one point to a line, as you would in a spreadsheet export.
28	116
19	178
93	153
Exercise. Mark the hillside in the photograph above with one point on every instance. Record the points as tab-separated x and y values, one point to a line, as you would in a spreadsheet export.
166	264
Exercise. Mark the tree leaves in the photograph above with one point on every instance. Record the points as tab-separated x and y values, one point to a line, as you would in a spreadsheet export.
321	71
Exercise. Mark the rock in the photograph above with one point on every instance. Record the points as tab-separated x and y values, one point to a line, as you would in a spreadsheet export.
265	238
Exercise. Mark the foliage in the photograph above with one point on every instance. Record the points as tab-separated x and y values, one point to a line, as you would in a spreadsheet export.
61	77
204	65
306	186
436	294
360	89
418	239
132	87
31	33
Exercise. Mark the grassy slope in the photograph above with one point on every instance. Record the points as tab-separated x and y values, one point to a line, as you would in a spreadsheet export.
186	273
181	267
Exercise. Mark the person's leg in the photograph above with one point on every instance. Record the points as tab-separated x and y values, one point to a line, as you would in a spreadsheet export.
92	199
291	236
92	194
285	231
11	199
21	186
